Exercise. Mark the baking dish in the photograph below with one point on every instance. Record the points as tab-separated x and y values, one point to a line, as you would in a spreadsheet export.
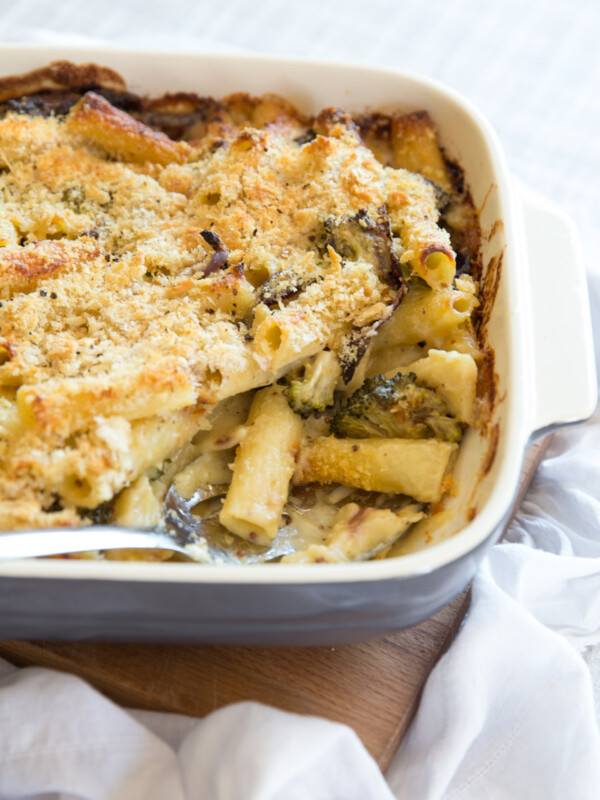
532	328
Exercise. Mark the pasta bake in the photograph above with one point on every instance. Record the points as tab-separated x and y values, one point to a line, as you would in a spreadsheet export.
230	315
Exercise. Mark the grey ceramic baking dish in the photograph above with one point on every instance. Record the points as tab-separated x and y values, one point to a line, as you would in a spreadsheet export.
532	328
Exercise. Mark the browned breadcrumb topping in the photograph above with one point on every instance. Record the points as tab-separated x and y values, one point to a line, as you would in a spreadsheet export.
144	279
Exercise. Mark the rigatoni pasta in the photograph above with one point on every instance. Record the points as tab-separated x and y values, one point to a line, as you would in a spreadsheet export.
269	316
413	467
263	468
96	120
358	532
415	148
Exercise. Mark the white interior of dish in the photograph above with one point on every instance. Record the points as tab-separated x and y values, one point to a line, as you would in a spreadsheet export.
468	139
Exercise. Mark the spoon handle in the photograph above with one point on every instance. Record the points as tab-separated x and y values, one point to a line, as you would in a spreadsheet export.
56	541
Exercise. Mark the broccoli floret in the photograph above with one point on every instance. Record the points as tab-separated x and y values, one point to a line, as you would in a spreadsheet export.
395	408
311	385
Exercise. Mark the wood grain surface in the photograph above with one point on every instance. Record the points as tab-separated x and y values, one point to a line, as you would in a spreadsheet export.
373	687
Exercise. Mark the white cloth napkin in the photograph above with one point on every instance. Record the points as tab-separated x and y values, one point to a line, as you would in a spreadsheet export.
508	712
61	739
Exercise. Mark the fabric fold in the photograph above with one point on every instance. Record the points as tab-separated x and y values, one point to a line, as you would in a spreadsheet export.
60	736
508	711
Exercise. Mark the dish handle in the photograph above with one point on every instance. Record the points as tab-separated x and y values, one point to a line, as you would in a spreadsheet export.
566	389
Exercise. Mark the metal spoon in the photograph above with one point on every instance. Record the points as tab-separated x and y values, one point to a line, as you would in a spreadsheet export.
58	541
222	545
194	539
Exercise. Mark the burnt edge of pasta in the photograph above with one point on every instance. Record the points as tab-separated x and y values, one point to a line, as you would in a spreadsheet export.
60	76
55	89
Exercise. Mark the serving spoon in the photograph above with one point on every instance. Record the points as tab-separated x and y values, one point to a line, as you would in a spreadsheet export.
193	539
60	541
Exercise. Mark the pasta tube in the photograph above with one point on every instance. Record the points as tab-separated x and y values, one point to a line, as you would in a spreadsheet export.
121	452
357	531
441	319
117	132
67	406
415	467
263	468
415	148
453	375
413	213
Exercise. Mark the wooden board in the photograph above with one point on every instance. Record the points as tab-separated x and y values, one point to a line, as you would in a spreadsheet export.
374	687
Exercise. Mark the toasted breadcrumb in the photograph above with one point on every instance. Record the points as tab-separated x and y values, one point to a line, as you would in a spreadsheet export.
107	318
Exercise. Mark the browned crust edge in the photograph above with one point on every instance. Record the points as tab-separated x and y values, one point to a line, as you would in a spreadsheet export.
60	75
